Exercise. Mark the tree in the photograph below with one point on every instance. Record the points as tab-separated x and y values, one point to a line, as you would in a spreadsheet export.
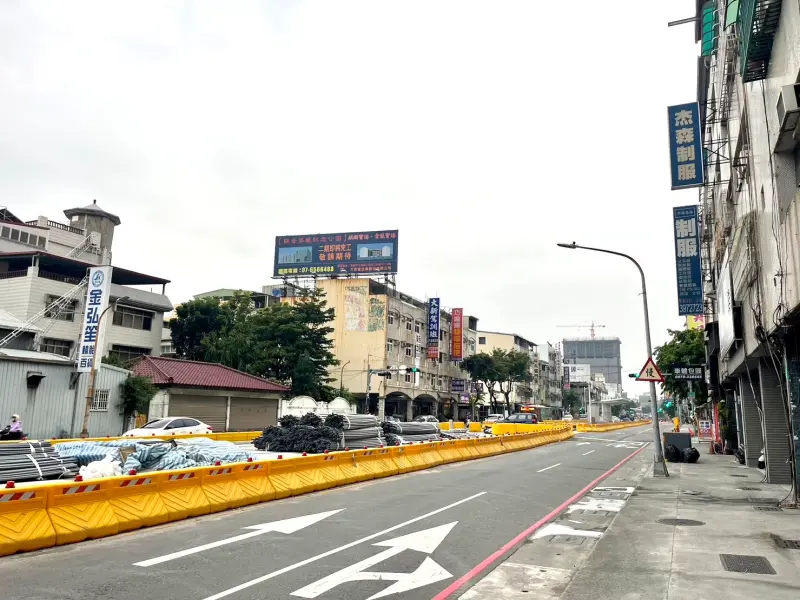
113	360
514	368
571	401
194	321
687	347
481	367
625	407
136	393
304	380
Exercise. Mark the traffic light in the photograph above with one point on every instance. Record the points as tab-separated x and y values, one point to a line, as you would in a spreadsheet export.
668	404
412	370
633	375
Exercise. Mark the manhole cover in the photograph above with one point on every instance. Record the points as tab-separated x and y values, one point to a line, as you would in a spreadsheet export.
680	522
738	475
750	489
768	508
746	563
575	540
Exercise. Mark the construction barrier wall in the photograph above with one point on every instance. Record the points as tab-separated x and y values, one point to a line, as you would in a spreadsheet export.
600	427
47	514
234	436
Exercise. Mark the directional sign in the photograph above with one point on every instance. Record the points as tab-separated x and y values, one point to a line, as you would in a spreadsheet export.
285	526
650	372
428	572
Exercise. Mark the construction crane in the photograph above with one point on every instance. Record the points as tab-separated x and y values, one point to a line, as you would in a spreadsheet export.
591	327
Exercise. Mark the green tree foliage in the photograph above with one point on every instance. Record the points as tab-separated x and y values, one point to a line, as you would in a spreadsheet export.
282	342
514	367
113	360
622	408
571	402
481	367
195	320
686	347
136	393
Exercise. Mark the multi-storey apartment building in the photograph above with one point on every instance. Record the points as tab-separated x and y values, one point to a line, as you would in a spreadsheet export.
378	327
42	261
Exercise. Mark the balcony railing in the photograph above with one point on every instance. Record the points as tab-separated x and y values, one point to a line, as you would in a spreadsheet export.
57	277
759	24
13	274
56	225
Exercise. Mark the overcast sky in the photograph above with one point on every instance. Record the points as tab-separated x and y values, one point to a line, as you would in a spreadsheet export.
484	131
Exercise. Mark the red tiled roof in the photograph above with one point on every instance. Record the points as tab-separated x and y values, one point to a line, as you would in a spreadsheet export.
173	371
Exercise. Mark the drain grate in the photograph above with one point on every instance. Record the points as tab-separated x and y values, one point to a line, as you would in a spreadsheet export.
680	522
738	475
620	495
596	513
787	544
767	508
750	489
575	540
747	563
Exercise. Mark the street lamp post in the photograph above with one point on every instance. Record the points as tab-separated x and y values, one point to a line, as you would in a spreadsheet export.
659	452
93	373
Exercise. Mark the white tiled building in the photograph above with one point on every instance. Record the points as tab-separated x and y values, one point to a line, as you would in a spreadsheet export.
43	260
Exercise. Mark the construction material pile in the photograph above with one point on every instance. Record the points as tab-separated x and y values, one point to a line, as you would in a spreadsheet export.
360	431
305	434
461	434
409	433
33	461
156	455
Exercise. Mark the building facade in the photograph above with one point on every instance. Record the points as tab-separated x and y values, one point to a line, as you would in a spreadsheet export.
748	92
522	393
376	327
44	261
603	354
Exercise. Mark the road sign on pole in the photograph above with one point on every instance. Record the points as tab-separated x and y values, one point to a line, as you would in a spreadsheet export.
650	372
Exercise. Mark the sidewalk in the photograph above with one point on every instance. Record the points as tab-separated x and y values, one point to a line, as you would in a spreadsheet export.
610	545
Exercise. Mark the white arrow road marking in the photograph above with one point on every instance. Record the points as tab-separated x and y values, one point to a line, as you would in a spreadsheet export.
307	561
285	526
550	467
428	572
627	490
556	529
582	443
592	503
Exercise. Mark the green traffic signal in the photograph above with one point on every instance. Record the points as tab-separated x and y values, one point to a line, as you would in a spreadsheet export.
412	370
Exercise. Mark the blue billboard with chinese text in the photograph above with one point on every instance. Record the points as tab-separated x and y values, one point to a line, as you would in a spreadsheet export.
686	223
331	254
685	146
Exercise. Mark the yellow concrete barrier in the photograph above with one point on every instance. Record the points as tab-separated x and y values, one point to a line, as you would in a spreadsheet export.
294	476
182	494
374	463
601	427
400	458
430	454
253	481
330	472
503	428
453	451
221	488
476	427
136	501
444	426
80	510
24	522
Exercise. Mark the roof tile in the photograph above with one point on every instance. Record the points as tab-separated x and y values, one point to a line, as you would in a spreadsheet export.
177	372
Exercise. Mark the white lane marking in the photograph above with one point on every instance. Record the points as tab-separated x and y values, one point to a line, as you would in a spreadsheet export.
286	526
303	563
594	439
582	444
550	467
590	503
428	572
589	452
627	490
556	529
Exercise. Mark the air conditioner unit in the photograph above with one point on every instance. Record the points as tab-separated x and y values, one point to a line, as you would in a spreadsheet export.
788	109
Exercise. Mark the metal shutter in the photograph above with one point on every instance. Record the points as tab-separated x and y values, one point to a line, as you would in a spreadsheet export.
252	414
211	410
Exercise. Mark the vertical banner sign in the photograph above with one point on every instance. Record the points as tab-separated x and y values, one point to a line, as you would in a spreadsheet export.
685	146
457	335
566	377
433	328
96	302
687	260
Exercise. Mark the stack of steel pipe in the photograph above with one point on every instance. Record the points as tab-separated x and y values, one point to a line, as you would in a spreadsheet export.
362	431
33	461
407	433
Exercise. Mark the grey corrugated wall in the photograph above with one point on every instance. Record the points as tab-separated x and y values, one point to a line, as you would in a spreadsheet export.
776	444
53	409
751	421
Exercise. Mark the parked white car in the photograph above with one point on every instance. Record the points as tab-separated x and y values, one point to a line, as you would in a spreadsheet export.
169	426
567	417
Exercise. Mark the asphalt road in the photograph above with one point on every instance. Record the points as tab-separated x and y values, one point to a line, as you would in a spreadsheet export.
437	524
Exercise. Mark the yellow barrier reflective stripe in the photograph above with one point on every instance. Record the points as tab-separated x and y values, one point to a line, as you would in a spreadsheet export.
253	481
24	522
221	488
80	510
294	476
183	495
404	465
136	501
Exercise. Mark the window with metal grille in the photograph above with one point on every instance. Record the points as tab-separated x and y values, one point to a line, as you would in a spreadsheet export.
126	353
125	316
100	401
53	346
66	313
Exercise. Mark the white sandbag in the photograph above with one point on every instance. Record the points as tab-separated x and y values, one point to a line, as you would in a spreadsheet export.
107	467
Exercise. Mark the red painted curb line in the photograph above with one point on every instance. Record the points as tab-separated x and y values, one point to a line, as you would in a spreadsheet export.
492	558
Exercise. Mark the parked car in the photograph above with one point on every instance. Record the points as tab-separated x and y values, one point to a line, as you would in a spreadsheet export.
567	417
522	419
426	419
169	426
493	418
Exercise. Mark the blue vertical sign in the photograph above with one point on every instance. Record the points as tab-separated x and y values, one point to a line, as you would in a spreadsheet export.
433	328
685	146
687	260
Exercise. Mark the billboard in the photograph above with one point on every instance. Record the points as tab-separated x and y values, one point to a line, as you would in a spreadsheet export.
696	322
327	254
433	328
457	335
685	146
579	373
727	330
566	377
686	225
97	293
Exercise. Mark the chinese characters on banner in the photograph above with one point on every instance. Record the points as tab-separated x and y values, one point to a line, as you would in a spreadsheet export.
687	260
685	146
696	322
96	302
681	373
457	335
458	385
566	377
433	328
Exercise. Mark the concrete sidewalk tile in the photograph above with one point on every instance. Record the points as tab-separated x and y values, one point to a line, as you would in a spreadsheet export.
617	584
513	581
730	586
